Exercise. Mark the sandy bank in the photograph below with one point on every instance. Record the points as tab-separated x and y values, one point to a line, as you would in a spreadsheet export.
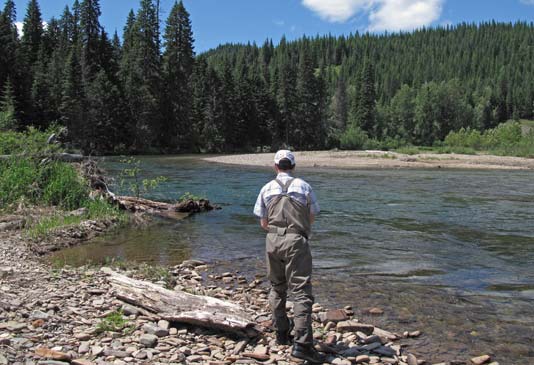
380	159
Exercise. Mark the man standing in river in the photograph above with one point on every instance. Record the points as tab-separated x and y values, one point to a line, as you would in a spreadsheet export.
287	207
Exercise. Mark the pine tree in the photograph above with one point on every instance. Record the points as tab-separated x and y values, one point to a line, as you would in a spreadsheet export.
8	117
308	131
178	61
73	106
32	32
90	39
40	93
8	43
365	112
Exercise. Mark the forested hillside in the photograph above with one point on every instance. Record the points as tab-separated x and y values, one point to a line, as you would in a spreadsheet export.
149	92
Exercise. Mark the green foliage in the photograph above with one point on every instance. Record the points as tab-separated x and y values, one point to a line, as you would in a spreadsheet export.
156	273
188	196
63	186
113	322
354	139
30	142
8	119
18	179
96	209
130	179
505	139
398	88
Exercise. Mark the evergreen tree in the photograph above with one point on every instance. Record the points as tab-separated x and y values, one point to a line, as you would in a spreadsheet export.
8	43
308	132
365	104
73	106
90	39
8	118
145	77
178	61
32	32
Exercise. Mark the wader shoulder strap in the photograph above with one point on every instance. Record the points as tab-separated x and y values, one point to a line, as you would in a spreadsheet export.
285	186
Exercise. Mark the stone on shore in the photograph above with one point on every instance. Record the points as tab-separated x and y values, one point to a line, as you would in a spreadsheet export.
479	360
354	326
148	340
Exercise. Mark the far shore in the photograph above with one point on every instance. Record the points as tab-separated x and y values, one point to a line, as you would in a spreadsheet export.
383	160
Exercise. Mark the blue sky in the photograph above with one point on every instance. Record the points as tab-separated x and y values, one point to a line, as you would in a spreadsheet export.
238	21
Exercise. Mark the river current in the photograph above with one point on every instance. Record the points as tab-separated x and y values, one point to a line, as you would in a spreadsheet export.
447	252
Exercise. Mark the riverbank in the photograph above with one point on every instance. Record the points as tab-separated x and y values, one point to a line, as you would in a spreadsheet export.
383	160
56	315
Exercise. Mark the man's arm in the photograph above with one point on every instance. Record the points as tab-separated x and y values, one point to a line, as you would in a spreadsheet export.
264	223
312	218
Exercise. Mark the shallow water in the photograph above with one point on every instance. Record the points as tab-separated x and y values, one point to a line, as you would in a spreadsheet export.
447	252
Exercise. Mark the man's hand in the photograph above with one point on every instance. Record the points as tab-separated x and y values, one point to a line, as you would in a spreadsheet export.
264	223
312	218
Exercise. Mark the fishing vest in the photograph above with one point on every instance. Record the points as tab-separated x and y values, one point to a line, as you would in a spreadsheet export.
287	215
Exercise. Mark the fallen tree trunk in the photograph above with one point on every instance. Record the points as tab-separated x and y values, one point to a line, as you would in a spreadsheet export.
179	306
134	204
65	157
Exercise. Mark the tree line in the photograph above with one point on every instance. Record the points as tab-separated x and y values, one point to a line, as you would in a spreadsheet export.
149	92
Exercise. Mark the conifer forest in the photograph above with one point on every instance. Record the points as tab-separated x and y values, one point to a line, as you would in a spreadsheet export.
149	92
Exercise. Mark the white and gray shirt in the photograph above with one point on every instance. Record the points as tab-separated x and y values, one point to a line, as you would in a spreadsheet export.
299	190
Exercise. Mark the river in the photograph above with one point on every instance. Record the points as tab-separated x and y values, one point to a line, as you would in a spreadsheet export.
448	252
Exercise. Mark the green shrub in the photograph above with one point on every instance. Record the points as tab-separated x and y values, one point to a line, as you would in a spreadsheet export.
354	138
30	142
506	139
63	186
18	179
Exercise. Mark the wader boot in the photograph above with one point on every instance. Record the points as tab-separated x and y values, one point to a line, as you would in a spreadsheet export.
289	264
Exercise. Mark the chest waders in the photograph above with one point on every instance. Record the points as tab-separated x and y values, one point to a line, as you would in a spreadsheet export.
289	262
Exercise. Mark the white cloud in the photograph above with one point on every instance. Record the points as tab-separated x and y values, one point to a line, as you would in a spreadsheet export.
336	10
19	28
404	14
528	2
392	15
20	25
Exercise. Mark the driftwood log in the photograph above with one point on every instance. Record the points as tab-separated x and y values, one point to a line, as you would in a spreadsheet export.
65	157
179	306
168	210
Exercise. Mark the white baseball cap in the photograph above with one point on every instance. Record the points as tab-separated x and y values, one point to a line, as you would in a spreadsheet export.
280	155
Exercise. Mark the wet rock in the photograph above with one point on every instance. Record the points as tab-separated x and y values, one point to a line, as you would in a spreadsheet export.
375	311
336	315
411	360
353	326
148	340
385	335
385	351
479	360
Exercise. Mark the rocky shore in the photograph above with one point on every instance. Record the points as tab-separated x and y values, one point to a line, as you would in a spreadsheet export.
57	316
384	160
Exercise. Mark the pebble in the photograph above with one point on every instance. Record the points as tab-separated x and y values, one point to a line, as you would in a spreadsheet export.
70	304
155	330
479	360
148	340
